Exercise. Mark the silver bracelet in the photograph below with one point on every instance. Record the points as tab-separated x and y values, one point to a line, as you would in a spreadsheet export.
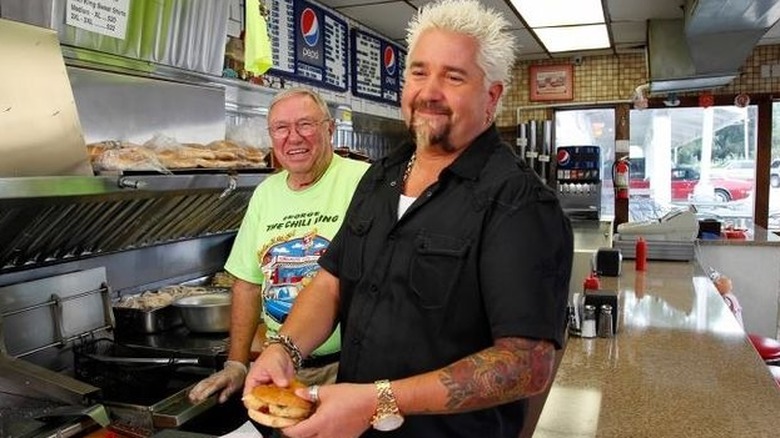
288	345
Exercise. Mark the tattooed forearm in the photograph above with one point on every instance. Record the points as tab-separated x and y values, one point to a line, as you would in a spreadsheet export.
513	368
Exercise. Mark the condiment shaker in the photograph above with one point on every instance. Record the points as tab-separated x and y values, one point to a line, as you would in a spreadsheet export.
606	328
589	322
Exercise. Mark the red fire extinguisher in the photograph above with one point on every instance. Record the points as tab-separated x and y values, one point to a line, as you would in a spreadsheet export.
620	177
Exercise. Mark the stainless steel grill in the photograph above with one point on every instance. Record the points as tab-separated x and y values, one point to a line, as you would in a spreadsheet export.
62	240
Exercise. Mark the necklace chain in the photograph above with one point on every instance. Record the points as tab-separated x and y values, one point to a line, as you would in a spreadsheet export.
409	166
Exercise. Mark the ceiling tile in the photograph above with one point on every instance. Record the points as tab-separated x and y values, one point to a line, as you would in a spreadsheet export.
526	46
497	5
628	20
629	33
526	41
389	19
641	10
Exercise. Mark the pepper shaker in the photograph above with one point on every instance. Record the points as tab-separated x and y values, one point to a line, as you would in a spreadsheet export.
606	328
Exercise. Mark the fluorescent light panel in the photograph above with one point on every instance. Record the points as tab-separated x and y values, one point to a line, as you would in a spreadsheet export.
582	23
566	39
546	13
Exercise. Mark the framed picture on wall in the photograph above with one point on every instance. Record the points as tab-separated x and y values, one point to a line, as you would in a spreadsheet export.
551	82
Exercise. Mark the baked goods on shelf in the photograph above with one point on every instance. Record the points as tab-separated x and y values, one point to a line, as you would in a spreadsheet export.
221	154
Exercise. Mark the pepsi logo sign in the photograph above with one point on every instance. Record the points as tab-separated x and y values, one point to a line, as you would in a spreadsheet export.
310	27
564	157
389	60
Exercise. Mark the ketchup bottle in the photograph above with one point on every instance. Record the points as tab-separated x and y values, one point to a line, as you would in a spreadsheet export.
591	283
641	254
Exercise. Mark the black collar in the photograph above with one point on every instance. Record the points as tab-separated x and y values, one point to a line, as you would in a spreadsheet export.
468	165
471	162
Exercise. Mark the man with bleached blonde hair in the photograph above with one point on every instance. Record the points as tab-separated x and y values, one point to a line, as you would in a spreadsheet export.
451	272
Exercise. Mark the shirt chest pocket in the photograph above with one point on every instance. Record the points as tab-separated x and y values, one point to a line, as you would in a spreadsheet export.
357	230
435	267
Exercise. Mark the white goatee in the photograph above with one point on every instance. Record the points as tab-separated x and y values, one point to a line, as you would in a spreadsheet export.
422	133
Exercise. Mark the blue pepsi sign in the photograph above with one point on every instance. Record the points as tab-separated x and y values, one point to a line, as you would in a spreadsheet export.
390	60
377	68
309	47
309	44
310	27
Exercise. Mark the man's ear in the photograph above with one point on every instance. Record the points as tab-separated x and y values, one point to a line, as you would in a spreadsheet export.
494	92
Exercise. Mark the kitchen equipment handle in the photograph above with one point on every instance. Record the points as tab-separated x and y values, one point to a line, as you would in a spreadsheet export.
146	360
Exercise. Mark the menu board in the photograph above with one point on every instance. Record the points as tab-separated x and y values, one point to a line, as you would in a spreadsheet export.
308	44
377	68
281	27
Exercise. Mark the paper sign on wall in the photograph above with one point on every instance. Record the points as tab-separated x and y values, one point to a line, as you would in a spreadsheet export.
106	17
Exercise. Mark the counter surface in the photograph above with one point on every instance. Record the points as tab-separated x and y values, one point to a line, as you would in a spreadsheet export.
758	236
680	366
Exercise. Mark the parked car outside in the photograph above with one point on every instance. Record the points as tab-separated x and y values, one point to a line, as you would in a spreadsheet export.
774	173
740	169
684	180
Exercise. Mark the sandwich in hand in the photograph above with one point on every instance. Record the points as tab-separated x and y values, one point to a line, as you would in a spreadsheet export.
277	407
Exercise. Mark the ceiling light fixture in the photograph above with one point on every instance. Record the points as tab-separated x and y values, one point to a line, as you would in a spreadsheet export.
569	38
565	25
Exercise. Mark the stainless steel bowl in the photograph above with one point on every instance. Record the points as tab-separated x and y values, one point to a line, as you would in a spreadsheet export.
209	313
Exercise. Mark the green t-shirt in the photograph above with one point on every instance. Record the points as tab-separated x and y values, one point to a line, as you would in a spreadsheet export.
283	234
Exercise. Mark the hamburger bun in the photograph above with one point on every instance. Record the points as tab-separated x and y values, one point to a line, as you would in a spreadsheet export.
277	407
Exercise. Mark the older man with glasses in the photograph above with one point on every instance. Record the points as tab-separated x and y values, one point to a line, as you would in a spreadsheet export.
290	221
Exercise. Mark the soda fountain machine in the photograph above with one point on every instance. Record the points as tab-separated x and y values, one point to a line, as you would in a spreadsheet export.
578	177
534	144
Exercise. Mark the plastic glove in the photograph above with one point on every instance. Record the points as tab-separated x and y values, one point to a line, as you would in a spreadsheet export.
229	380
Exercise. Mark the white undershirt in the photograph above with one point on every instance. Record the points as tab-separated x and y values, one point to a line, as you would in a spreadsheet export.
404	202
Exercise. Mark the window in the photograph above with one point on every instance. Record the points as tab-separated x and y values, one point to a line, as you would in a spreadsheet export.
681	157
773	222
709	154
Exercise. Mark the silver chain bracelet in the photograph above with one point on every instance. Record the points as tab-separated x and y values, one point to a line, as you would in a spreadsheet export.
288	345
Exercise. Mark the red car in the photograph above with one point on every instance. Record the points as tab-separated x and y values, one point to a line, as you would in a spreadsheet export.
684	180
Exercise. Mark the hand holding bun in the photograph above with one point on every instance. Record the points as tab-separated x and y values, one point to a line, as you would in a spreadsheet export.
277	407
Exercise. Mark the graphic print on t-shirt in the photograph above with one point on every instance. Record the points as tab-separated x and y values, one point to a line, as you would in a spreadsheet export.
288	265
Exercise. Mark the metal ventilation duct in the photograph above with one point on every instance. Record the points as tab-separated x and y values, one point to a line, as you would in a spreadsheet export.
708	47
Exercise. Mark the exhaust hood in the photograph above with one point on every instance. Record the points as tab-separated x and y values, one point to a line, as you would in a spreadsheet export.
670	64
706	49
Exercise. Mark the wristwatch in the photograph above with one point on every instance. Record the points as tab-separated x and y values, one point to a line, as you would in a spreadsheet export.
387	416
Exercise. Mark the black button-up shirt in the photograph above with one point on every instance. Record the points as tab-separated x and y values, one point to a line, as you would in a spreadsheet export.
483	253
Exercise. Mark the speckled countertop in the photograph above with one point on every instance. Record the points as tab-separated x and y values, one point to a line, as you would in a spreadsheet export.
680	366
758	236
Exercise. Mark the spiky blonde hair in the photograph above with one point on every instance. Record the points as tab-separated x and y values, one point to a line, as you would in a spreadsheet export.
495	54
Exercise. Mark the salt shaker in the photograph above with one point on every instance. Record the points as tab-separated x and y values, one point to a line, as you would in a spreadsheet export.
589	322
606	329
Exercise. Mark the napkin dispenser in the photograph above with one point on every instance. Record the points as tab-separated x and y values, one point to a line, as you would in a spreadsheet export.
608	261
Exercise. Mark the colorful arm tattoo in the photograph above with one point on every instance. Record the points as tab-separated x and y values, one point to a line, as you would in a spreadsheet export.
513	368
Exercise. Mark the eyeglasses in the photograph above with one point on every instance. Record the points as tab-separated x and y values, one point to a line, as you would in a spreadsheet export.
302	127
